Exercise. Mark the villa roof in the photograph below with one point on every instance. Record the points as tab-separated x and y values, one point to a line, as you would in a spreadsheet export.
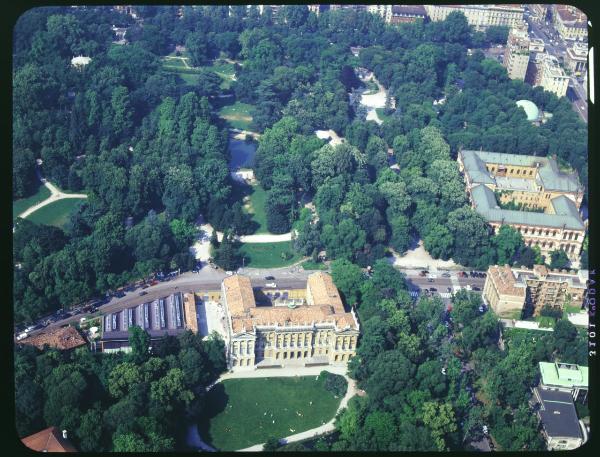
240	297
328	307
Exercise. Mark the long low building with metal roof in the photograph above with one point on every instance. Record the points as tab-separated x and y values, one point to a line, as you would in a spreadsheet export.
171	315
529	193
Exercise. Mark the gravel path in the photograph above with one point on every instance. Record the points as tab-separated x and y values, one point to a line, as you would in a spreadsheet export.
55	195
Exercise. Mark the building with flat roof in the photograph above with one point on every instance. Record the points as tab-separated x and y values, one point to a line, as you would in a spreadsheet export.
566	377
516	55
560	425
551	75
547	199
577	58
508	290
502	293
480	16
170	315
49	440
315	329
570	22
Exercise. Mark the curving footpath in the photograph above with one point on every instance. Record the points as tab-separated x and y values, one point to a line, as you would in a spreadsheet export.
194	439
55	195
257	238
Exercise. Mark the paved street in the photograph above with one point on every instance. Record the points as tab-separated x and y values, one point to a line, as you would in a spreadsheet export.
288	277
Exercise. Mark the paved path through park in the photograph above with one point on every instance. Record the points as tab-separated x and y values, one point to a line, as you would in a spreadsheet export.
55	195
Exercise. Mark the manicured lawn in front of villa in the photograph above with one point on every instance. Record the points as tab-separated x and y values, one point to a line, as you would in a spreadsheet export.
243	412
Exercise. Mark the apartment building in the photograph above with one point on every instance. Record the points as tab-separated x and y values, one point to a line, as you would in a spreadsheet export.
561	428
507	290
540	11
551	75
516	55
547	199
577	58
570	22
312	329
480	16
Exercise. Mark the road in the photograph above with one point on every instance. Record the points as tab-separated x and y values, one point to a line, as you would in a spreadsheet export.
559	50
288	277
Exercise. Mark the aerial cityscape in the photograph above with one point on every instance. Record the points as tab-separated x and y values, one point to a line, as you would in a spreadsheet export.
301	228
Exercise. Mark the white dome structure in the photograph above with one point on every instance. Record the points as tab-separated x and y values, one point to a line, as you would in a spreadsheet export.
532	111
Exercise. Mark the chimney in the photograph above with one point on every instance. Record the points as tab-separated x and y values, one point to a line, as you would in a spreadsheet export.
64	432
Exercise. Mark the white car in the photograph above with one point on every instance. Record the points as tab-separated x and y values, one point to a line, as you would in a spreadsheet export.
271	284
229	273
22	336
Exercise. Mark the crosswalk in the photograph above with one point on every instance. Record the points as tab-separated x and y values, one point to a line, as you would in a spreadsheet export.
415	294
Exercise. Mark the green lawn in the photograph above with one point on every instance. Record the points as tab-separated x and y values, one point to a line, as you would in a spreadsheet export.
189	78
57	213
381	113
237	115
243	412
23	203
268	255
255	205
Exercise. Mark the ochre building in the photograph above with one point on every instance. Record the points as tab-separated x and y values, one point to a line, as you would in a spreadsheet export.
507	290
313	329
545	201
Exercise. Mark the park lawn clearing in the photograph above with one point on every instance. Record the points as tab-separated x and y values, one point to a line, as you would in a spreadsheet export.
189	78
381	113
253	199
268	255
243	412
20	205
257	207
56	213
237	115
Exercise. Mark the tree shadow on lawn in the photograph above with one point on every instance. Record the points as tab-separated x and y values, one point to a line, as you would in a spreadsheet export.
216	402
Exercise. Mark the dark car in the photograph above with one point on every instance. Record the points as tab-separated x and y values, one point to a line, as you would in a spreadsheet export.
269	278
143	292
476	288
145	286
446	275
430	280
449	289
432	289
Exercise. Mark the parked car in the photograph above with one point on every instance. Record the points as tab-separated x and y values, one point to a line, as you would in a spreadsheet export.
475	288
423	273
446	275
229	273
432	289
143	292
481	309
269	278
449	289
430	280
271	284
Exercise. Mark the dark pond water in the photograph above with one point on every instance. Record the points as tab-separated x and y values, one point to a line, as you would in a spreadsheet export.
242	154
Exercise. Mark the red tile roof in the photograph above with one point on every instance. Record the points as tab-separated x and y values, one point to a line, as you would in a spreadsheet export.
48	440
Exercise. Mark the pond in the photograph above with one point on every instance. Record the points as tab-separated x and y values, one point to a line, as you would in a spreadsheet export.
242	154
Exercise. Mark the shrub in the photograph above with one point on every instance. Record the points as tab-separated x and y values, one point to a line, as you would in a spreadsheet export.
335	383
